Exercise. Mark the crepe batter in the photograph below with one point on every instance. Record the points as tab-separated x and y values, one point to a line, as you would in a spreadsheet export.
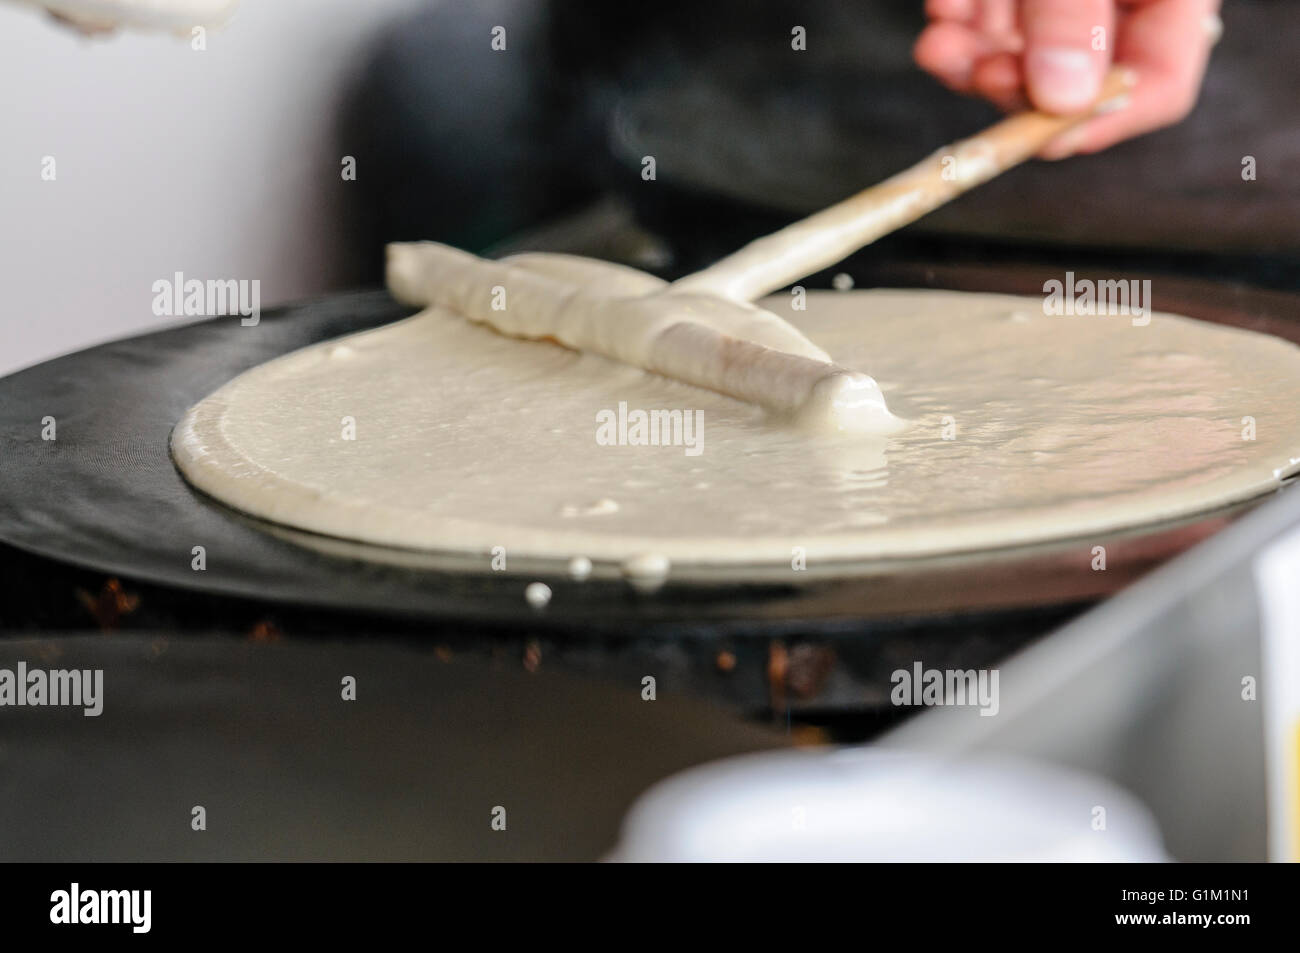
1019	428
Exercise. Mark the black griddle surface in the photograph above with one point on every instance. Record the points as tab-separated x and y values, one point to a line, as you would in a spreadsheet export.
106	496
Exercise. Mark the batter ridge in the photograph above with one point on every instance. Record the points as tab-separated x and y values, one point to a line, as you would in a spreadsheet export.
1023	428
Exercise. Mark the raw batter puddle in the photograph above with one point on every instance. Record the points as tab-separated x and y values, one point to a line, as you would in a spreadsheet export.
1023	428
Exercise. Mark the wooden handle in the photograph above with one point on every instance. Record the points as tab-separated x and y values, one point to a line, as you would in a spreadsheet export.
819	241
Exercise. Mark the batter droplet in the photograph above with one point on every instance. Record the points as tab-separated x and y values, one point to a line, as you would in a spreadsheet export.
646	572
537	594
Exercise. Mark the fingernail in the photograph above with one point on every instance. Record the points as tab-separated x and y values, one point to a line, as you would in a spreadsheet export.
1212	26
1061	79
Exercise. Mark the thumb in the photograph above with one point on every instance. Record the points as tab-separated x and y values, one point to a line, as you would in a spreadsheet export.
1067	51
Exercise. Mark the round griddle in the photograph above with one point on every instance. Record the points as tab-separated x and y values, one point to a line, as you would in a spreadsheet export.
106	496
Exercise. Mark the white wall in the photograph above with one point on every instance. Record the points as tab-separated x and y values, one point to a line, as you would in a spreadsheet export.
218	164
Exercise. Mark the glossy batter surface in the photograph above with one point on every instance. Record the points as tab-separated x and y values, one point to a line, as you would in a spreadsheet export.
1023	428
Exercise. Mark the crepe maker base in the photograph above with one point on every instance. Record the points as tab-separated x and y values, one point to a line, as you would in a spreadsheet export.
259	736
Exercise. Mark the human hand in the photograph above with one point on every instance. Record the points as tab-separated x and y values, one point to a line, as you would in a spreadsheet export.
1052	54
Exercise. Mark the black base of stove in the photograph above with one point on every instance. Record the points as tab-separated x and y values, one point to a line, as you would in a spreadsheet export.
830	681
